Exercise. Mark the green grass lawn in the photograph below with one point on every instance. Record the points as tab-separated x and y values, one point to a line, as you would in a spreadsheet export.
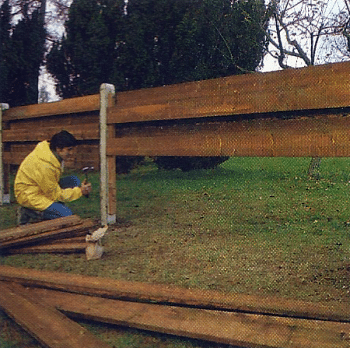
252	225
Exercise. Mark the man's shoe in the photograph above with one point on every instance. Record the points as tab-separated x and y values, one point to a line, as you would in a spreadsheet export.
26	215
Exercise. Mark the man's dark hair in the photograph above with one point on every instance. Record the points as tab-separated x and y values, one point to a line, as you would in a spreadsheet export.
61	140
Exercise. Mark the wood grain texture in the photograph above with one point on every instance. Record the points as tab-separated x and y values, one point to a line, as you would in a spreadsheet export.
159	293
46	324
45	231
66	106
310	88
238	329
317	136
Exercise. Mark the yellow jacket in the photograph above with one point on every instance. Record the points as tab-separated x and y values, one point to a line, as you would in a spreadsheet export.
36	183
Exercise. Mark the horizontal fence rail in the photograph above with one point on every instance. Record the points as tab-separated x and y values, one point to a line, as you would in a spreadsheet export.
66	106
316	136
311	88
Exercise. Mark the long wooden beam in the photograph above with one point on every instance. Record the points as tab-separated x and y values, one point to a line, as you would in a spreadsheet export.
316	87
81	131
66	106
46	324
159	293
317	136
238	329
310	88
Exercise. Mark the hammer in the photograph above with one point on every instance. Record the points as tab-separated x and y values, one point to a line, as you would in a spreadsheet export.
87	170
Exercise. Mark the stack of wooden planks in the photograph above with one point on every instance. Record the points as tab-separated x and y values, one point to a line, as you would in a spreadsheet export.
39	299
63	235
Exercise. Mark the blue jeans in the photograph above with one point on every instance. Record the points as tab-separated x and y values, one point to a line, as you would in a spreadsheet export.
58	209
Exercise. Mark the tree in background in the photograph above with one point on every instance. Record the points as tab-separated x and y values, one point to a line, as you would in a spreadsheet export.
22	54
5	56
155	42
308	32
305	33
86	55
149	43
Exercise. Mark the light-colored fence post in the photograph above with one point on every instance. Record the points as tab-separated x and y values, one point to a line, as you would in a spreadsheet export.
3	198
106	90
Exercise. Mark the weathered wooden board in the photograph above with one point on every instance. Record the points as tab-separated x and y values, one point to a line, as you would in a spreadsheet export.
59	248
317	136
66	106
46	324
30	234
17	153
81	131
238	329
316	87
159	293
81	230
65	245
79	239
39	227
57	121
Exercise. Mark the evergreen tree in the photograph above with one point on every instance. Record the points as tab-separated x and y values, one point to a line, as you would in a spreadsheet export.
28	48
219	38
156	42
152	43
5	29
22	54
85	56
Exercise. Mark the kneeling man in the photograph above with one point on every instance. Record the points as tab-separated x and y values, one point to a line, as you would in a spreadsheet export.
39	188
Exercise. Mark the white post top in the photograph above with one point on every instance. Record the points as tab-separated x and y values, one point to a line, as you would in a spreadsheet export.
109	88
4	106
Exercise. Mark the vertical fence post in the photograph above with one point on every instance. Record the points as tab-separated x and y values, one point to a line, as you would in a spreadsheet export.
2	182
106	90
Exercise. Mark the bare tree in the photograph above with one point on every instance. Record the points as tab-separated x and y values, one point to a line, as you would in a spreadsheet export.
306	32
309	32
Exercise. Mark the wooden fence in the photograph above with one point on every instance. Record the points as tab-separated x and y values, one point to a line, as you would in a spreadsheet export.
296	112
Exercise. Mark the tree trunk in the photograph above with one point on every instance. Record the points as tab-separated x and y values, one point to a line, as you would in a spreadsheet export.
314	168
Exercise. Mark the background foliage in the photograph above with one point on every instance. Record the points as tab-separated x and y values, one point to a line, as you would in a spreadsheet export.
22	49
155	42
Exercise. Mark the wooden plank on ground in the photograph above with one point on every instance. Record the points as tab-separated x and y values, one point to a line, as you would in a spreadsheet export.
39	227
79	239
56	248
49	326
137	291
32	235
317	87
238	329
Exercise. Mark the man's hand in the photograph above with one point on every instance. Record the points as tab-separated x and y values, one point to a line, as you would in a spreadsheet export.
86	188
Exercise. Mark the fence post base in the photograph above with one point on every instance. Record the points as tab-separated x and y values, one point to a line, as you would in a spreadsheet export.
111	219
6	198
